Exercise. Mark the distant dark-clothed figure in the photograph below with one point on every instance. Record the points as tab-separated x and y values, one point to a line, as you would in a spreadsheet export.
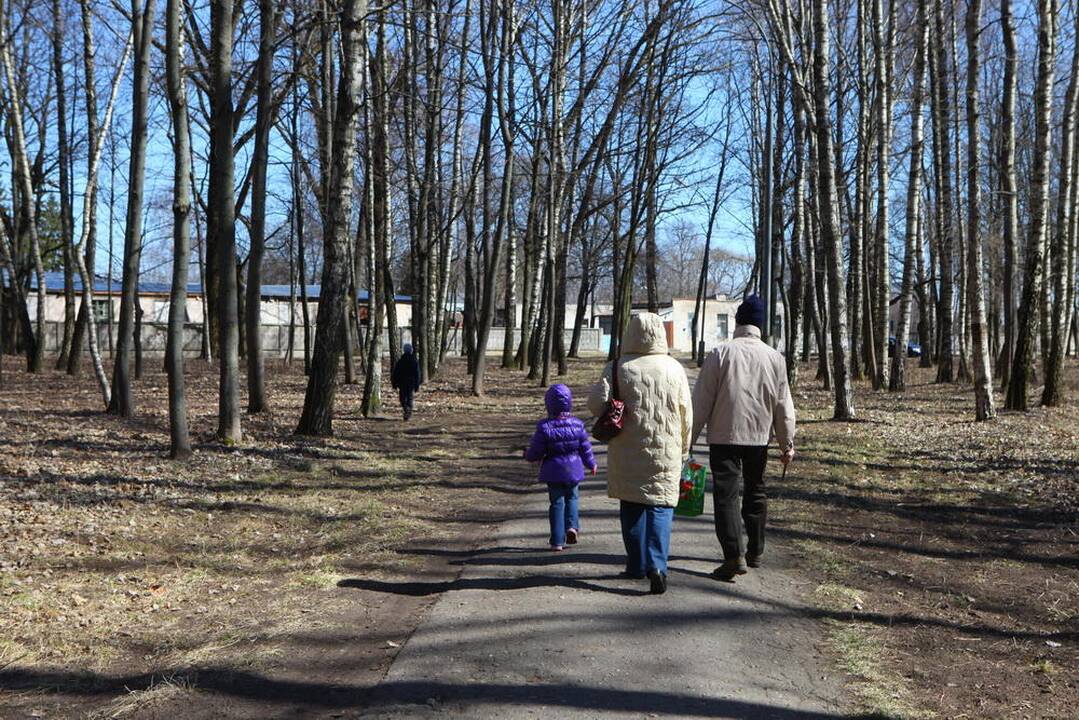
405	379
644	461
743	398
561	446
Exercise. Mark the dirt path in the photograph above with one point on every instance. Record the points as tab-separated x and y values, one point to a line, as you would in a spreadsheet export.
524	632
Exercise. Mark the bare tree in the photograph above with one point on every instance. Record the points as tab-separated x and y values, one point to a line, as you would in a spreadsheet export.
222	212
1023	361
914	196
318	409
1063	235
256	384
844	398
983	378
142	26
882	50
24	186
64	162
942	156
181	230
1009	188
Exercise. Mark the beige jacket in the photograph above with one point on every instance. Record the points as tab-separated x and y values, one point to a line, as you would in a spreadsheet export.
644	462
742	393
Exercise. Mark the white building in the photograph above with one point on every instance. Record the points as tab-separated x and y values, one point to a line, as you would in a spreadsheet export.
153	300
718	311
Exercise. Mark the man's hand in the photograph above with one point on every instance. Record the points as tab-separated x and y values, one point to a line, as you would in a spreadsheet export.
787	456
593	470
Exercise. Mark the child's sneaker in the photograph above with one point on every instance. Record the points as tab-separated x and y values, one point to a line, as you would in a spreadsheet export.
556	548
571	536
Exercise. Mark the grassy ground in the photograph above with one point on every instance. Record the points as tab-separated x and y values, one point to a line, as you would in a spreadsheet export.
122	569
942	553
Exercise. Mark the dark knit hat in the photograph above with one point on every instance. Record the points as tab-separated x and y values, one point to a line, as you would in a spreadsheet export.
751	312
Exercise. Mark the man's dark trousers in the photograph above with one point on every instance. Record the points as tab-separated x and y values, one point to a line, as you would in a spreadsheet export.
406	396
732	466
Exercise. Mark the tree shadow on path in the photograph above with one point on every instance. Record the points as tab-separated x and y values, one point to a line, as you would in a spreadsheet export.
413	588
253	686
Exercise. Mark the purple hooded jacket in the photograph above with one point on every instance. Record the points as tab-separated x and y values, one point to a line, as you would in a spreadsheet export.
561	441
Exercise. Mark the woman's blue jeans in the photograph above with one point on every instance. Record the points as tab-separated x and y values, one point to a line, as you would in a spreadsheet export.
563	513
646	531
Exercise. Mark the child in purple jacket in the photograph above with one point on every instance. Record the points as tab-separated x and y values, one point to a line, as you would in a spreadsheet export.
560	444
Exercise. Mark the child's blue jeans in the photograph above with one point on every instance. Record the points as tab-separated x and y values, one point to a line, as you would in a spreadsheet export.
646	531
563	514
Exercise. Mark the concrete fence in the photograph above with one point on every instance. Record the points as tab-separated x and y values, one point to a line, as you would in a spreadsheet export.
275	339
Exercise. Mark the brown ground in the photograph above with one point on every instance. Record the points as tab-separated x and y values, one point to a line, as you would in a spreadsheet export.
943	553
944	550
128	578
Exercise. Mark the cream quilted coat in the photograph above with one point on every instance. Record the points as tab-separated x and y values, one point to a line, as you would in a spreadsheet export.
644	462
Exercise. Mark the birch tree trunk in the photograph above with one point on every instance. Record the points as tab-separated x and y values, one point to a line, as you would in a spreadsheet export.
942	123
64	161
142	24
861	350
796	297
507	108
382	160
983	378
90	197
844	399
914	196
1062	276
256	385
1023	362
492	241
88	213
180	441
371	402
222	209
35	352
318	410
1008	189
881	50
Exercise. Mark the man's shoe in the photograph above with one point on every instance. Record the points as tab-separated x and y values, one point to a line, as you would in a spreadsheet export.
730	568
753	561
571	536
658	581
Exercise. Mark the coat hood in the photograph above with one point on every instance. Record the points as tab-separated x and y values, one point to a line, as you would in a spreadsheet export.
559	399
645	335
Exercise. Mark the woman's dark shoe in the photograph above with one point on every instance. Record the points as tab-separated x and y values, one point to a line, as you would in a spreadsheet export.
571	536
730	568
658	581
631	575
753	561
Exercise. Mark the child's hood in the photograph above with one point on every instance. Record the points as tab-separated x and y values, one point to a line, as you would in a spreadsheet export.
559	399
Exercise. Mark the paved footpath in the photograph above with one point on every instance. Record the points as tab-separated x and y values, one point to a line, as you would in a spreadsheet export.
529	633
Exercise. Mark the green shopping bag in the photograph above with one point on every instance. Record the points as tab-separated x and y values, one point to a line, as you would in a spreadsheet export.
691	490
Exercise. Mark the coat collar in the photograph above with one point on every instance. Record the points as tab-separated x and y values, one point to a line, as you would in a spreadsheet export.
741	331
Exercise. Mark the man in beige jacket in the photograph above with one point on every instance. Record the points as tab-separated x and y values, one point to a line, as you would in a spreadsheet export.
743	397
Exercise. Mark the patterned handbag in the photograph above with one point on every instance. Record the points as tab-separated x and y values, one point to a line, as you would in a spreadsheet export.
610	422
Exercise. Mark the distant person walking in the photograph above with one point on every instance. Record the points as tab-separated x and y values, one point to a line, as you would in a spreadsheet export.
561	446
644	461
405	379
743	398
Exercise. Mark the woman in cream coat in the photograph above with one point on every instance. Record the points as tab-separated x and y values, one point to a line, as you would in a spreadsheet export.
644	461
